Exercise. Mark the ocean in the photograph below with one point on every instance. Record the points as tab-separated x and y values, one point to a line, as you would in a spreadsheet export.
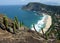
27	17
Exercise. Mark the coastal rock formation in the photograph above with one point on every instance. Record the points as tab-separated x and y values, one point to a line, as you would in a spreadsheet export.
53	11
34	6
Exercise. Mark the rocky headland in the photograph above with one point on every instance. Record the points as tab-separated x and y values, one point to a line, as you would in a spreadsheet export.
53	11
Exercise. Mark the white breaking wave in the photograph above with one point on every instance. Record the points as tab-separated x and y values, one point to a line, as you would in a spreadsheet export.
40	24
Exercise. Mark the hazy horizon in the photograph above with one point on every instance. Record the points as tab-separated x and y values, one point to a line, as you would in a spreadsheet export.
22	2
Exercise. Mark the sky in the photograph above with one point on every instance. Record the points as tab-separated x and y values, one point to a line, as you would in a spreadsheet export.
20	2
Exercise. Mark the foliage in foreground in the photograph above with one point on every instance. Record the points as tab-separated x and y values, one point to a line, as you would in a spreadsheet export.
5	21
16	24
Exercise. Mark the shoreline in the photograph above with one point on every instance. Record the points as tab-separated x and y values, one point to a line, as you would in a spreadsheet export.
48	23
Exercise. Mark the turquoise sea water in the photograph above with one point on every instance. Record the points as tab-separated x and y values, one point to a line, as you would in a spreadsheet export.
28	17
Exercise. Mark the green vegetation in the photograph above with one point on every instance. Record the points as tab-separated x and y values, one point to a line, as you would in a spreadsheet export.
16	19
14	28
34	27
54	30
16	23
21	24
5	21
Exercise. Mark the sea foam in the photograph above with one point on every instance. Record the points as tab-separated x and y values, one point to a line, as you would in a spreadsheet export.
40	23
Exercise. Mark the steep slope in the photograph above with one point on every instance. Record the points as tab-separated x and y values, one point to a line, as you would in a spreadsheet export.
23	35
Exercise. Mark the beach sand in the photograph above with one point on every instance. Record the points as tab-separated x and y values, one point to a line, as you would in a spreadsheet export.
48	23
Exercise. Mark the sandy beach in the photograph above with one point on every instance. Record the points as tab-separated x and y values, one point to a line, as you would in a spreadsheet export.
48	23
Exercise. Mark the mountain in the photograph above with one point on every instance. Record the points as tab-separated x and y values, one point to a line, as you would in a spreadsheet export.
53	11
34	6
